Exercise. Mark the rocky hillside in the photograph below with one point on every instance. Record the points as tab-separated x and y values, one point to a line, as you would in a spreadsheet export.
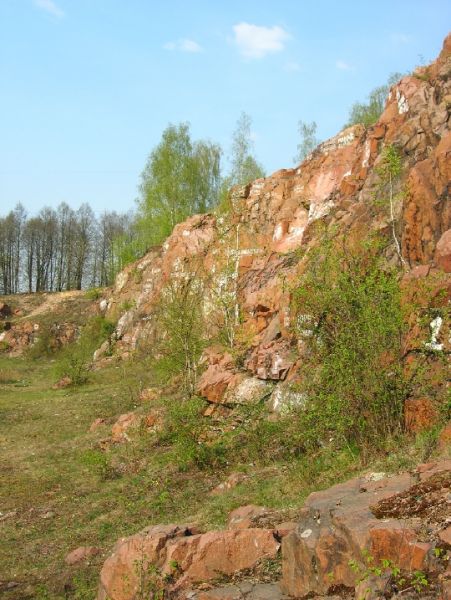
372	537
250	255
54	319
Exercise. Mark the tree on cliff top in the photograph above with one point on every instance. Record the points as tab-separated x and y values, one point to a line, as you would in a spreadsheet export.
367	114
244	166
180	178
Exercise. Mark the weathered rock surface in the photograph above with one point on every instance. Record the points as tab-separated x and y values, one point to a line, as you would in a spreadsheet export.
186	556
81	554
401	519
250	255
340	525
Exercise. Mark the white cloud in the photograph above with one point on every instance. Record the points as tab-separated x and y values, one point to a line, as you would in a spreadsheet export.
292	67
254	41
50	7
343	66
183	45
400	38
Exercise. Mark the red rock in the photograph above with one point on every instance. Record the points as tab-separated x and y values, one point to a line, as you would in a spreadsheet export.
199	557
124	422
97	423
445	535
337	525
131	557
204	557
231	482
444	440
446	589
443	251
244	517
398	544
285	528
64	382
419	414
80	554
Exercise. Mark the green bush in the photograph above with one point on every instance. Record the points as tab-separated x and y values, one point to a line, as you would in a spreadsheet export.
183	429
93	293
75	360
182	332
349	316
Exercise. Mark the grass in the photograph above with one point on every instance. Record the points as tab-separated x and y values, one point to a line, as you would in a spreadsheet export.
59	489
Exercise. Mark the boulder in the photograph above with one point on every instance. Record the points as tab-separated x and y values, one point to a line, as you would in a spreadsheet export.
338	526
123	423
443	251
96	424
231	482
81	554
245	516
419	414
176	554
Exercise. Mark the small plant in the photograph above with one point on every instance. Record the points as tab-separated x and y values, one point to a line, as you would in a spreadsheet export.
182	331
127	305
75	360
417	580
389	172
93	293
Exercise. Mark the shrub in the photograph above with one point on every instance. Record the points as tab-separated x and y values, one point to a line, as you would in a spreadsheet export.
181	324
93	293
349	316
75	360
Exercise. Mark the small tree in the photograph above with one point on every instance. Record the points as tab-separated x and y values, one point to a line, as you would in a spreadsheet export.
244	166
181	325
180	178
308	142
389	172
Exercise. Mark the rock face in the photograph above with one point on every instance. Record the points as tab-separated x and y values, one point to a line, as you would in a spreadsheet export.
250	256
182	554
398	520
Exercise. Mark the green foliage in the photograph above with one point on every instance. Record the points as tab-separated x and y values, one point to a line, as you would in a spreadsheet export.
182	330
415	580
389	171
93	293
368	113
184	430
180	178
349	317
244	166
391	164
308	142
75	359
44	345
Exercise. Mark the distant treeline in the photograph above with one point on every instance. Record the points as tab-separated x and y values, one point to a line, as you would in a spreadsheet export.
66	249
60	249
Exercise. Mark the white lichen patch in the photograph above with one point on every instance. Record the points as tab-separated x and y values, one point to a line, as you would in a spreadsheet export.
317	211
401	100
366	154
435	325
186	233
121	280
278	232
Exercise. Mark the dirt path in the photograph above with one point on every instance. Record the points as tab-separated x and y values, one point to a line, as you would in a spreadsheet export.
50	302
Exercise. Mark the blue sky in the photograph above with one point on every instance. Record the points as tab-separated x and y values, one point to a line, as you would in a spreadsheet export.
87	86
